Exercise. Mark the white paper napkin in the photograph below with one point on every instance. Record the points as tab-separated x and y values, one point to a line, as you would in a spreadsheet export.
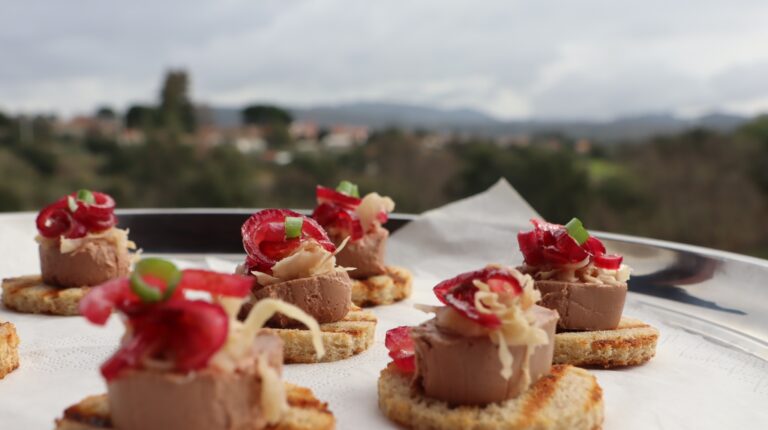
693	383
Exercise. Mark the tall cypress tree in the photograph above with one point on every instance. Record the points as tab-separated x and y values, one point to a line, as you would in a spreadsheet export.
176	109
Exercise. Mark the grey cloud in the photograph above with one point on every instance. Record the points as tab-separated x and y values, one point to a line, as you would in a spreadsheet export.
743	81
628	91
643	55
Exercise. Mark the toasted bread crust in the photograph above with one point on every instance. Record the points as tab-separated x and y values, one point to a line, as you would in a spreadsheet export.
566	398
342	339
385	289
633	342
305	412
9	349
30	295
91	413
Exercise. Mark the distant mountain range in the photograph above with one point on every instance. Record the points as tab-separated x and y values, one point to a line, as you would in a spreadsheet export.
381	115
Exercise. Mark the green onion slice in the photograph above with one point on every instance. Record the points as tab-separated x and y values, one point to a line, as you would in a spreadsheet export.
577	231
293	226
348	188
158	268
72	204
86	196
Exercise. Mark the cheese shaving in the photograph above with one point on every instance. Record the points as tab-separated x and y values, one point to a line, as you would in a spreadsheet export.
506	359
236	350
266	308
264	278
273	398
486	301
341	246
587	274
156	364
370	207
118	237
525	381
429	309
231	305
517	321
308	259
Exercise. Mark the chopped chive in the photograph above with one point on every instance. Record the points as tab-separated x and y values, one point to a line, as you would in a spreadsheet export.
577	231
348	188
159	268
293	226
86	196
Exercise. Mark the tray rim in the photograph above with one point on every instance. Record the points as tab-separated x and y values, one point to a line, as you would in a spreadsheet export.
405	218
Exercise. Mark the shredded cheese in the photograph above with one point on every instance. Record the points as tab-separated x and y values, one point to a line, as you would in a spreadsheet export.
118	237
264	278
525	381
239	341
309	259
588	273
266	308
156	364
273	398
428	309
486	301
237	349
341	246
517	322
505	357
370	207
230	304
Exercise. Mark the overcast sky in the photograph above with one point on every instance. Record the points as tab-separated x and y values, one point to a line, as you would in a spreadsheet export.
513	59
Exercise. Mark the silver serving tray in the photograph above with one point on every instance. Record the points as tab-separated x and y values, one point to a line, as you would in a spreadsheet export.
710	306
717	294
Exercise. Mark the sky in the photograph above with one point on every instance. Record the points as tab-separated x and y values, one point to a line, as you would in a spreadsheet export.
567	59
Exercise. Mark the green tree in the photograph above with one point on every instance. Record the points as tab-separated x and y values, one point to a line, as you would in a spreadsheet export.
397	163
106	113
755	134
176	111
7	128
273	122
266	115
5	120
555	182
140	117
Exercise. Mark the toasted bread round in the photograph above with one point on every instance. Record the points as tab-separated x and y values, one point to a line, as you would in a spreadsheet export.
633	342
342	339
385	289
30	295
304	412
568	398
9	349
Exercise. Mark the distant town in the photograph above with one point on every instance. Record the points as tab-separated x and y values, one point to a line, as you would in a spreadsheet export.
306	136
340	128
655	175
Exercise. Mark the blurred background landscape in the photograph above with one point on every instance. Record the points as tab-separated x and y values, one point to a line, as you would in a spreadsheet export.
636	123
